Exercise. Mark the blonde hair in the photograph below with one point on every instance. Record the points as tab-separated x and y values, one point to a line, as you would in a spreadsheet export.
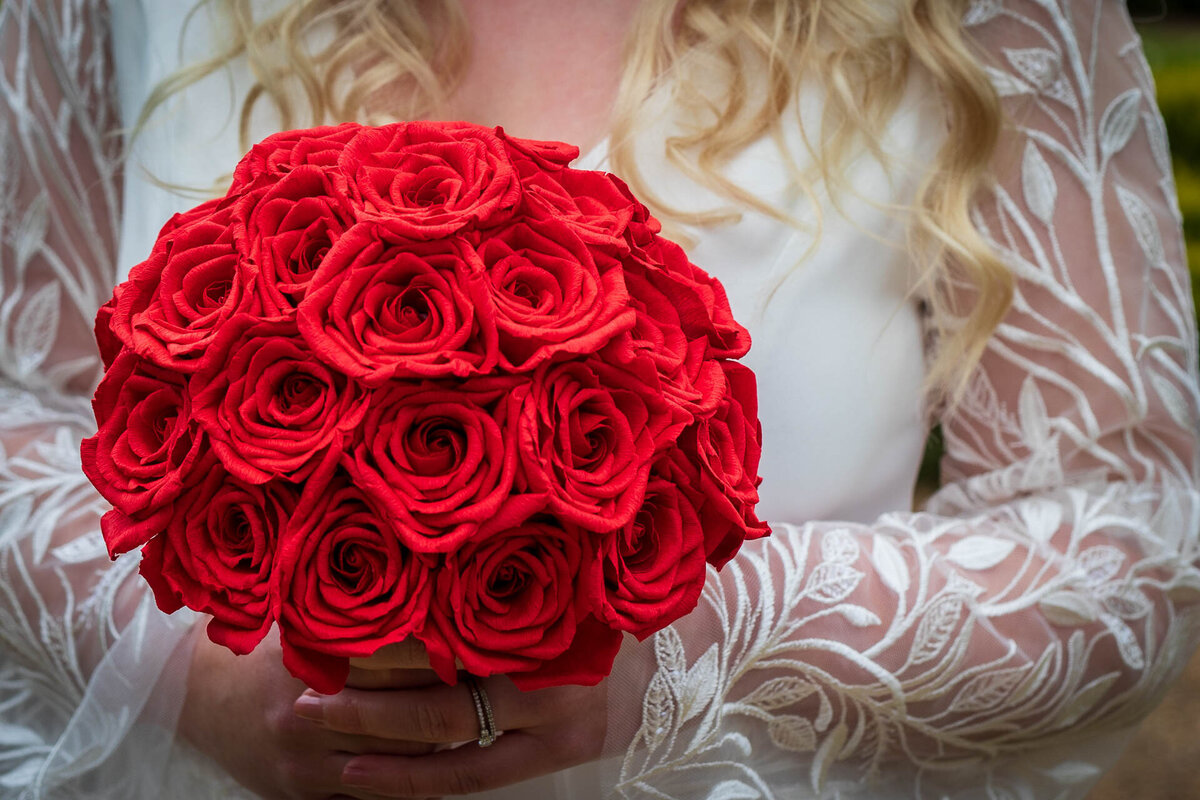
322	61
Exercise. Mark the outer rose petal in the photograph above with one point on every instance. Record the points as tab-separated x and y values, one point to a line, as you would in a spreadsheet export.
123	533
146	447
175	302
587	439
343	583
425	180
651	572
586	662
278	154
441	459
272	409
510	601
216	553
380	310
110	346
533	154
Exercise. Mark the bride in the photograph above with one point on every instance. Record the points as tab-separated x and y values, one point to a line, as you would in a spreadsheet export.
903	254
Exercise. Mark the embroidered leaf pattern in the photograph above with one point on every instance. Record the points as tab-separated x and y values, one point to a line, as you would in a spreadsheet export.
980	552
1037	182
780	693
1120	121
987	690
957	639
1100	563
793	733
832	582
936	628
890	565
831	650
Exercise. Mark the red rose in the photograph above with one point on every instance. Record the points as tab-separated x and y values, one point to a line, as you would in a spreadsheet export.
597	204
106	341
551	295
344	584
703	307
216	554
428	381
425	181
440	459
290	229
532	155
146	444
690	379
272	409
378	310
651	571
279	154
586	441
720	467
514	602
175	302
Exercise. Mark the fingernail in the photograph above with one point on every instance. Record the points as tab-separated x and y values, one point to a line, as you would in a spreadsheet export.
356	776
309	708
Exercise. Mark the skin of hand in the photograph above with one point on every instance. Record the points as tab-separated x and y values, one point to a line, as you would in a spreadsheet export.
239	711
544	731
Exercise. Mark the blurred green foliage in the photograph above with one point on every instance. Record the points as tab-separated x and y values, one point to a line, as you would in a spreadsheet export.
1173	51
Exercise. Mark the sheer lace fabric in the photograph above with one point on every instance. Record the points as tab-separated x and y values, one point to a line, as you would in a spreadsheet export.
81	646
995	645
988	646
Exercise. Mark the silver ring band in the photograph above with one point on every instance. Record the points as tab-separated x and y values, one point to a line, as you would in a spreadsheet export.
483	711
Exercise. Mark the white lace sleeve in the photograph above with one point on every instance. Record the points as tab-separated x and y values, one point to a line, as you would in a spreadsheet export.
80	650
989	646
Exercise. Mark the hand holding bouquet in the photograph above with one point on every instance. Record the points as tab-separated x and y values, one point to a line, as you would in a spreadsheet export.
424	380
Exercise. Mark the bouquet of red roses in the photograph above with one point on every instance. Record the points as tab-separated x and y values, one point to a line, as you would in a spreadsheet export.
424	380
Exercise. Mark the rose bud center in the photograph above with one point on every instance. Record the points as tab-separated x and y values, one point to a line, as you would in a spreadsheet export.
414	309
311	257
208	287
507	581
239	537
164	422
353	569
160	413
298	390
640	548
432	193
436	446
589	440
528	285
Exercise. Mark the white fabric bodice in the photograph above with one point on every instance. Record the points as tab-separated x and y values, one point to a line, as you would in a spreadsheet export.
992	646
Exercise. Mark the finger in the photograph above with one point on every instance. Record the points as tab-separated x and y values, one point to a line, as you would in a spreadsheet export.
358	745
440	713
406	654
313	772
435	714
366	796
390	678
465	770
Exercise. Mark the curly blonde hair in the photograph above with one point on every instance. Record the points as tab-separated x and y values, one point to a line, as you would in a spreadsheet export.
322	61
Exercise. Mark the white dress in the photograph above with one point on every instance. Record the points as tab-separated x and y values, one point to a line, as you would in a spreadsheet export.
998	644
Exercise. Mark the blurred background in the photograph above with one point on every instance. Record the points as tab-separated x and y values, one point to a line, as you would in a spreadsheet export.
1163	762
